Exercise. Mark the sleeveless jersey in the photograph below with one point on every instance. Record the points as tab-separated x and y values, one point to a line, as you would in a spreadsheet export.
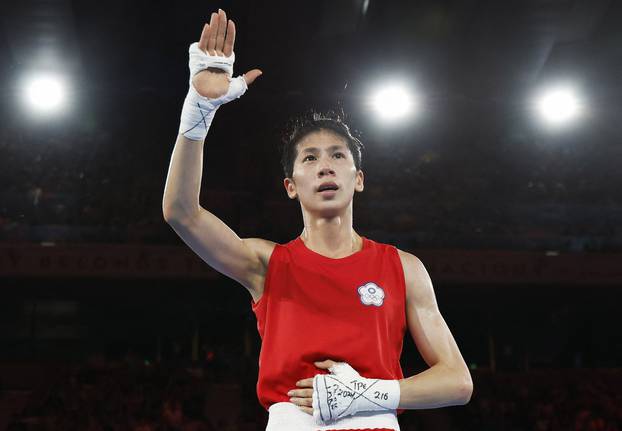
313	308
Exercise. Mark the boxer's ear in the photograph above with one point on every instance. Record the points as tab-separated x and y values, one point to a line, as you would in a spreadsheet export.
290	188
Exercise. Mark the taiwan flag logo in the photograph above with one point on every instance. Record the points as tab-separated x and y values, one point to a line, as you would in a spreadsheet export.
371	294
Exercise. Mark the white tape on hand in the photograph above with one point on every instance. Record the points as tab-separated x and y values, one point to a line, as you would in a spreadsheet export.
201	60
198	111
344	392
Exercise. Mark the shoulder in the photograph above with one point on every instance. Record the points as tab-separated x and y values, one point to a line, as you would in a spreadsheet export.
410	263
418	283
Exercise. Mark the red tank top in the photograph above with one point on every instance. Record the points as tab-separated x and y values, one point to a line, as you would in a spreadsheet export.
314	308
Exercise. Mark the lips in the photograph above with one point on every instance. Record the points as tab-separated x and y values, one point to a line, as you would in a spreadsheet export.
327	186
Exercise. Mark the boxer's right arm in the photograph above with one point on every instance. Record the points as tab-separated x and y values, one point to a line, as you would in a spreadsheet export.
244	260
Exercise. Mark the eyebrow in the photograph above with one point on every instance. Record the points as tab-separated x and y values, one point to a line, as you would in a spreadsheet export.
315	150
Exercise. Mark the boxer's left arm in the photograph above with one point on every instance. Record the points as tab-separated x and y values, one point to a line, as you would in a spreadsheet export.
448	381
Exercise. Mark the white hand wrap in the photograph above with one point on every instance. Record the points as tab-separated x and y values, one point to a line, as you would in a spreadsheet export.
200	60
198	111
344	392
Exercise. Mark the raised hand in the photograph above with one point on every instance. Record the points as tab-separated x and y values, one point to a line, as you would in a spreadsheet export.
218	38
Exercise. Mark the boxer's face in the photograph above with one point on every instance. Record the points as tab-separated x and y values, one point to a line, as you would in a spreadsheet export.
323	157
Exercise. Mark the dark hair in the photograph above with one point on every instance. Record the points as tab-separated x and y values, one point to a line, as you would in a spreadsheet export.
311	122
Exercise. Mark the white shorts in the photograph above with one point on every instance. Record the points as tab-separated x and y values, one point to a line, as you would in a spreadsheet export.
287	417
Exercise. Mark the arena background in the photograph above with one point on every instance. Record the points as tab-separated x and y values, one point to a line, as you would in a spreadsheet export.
109	322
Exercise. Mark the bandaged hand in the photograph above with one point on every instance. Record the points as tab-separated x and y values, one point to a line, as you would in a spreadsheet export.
345	392
211	83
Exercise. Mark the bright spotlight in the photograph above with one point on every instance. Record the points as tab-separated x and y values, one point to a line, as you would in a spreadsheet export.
558	106
393	102
45	93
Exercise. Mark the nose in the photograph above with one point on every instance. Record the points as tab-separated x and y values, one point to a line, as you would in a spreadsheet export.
325	167
326	171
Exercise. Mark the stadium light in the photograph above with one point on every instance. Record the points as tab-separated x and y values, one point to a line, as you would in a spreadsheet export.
558	106
45	93
393	102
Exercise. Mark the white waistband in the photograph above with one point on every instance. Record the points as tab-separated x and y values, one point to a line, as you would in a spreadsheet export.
287	417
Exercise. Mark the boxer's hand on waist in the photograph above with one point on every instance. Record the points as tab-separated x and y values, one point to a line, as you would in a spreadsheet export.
302	396
345	392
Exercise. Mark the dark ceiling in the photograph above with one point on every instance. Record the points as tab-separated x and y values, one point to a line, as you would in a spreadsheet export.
475	64
479	49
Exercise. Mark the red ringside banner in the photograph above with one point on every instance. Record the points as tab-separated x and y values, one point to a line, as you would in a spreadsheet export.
459	266
102	260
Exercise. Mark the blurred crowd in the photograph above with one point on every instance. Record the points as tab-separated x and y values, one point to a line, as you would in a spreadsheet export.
546	400
106	186
135	395
118	397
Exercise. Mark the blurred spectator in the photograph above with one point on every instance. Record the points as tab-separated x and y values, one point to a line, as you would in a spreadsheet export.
112	395
106	185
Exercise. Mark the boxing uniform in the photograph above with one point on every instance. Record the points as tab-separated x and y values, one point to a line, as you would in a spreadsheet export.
314	308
